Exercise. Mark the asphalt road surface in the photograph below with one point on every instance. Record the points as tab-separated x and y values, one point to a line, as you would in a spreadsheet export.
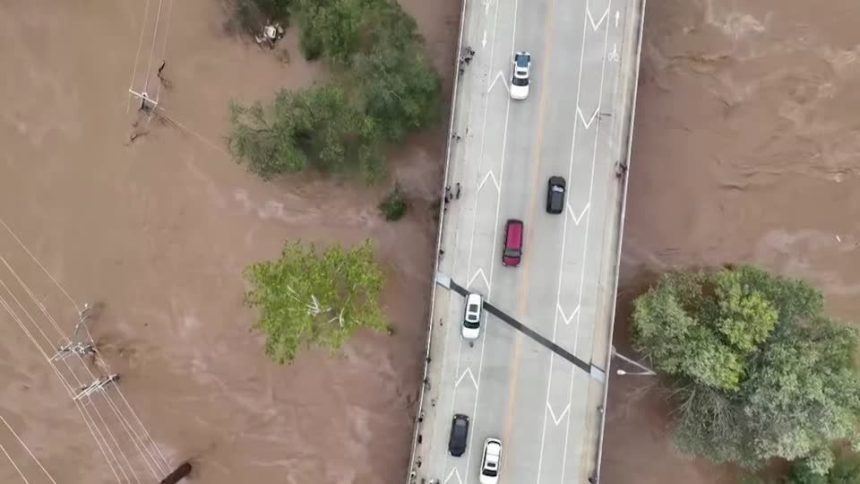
513	386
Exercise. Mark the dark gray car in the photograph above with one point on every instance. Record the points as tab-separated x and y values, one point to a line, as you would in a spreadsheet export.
459	435
555	194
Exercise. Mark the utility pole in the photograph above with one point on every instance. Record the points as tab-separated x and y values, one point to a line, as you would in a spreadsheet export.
77	344
96	385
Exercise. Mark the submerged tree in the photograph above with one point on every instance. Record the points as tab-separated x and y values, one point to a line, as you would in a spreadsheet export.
315	298
383	88
316	127
759	371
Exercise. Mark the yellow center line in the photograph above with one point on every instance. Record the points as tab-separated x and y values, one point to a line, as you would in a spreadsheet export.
523	292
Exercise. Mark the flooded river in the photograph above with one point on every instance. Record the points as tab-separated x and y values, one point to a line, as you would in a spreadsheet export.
747	149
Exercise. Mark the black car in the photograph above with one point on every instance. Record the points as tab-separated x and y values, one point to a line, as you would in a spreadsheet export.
459	435
555	194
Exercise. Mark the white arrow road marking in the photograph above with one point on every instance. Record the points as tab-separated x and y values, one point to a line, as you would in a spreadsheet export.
454	472
585	123
596	25
480	272
486	6
500	75
576	219
484	40
558	419
617	18
471	377
489	175
565	317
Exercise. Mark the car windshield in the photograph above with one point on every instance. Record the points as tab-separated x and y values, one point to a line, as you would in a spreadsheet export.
473	316
511	253
490	472
519	81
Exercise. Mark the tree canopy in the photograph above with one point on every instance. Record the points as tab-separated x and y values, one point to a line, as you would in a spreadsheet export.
383	88
845	470
310	297
759	371
315	127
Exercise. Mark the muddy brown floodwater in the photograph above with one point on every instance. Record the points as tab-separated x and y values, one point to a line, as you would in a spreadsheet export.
747	148
159	230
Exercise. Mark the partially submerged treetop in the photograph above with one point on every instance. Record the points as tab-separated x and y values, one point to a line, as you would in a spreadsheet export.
759	370
315	298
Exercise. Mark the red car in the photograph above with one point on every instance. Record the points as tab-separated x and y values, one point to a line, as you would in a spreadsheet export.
513	249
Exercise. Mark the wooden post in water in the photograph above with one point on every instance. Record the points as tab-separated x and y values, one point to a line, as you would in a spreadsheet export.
183	470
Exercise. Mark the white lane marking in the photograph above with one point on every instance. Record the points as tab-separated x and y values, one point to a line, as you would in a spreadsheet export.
585	245
479	272
489	175
617	18
572	214
471	377
586	19
484	39
585	123
596	25
454	472
567	319
558	419
486	6
500	75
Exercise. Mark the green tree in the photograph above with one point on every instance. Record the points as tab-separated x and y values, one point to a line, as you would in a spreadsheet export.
330	28
394	205
399	89
845	470
315	298
383	89
315	126
759	371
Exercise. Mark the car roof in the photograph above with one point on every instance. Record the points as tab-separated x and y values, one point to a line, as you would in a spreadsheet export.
514	233
522	58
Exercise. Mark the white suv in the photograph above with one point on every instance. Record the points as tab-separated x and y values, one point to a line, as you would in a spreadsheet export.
520	78
472	316
492	461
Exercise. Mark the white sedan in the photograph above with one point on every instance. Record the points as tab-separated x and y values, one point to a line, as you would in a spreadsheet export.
472	316
491	462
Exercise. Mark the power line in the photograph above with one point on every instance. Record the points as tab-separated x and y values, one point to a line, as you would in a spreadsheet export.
27	449
106	433
143	443
65	383
14	464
